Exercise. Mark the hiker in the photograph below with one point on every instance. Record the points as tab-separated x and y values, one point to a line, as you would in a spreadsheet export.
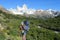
24	29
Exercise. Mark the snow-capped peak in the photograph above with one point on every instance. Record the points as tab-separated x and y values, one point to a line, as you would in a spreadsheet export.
22	10
24	7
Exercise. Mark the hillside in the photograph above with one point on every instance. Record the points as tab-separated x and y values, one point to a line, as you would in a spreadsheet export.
40	29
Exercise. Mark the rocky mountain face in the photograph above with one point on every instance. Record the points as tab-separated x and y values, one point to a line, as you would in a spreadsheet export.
29	12
46	13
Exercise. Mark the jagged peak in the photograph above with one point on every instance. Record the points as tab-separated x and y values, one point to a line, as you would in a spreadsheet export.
24	7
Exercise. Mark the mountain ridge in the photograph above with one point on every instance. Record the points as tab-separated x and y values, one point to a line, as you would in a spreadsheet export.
24	10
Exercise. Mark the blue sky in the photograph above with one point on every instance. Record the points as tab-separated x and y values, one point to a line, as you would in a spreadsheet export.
36	4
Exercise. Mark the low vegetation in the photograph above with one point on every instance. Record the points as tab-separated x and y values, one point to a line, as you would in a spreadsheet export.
40	29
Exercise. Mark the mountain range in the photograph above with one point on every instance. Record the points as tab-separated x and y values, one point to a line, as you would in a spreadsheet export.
24	10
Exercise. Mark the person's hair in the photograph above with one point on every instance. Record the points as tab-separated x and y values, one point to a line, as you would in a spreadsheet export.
25	22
